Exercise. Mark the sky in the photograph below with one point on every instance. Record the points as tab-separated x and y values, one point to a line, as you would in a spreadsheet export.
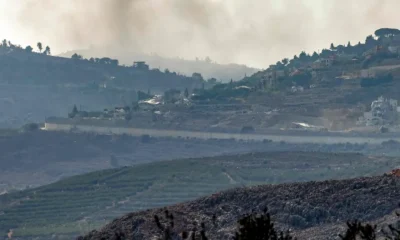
252	32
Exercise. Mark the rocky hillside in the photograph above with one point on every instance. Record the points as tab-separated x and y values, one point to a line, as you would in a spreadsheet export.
299	206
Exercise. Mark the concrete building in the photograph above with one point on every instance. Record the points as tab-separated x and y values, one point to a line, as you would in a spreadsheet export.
383	112
323	63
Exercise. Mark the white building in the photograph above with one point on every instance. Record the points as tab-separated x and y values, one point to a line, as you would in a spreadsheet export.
383	112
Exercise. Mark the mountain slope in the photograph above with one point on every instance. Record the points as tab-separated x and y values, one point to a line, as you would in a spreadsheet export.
208	69
95	198
299	206
34	85
17	66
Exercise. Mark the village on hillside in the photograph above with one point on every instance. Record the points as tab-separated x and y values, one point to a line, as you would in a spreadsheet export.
343	88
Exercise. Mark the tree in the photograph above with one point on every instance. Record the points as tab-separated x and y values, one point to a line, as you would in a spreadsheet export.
302	55
91	60
28	49
40	47
348	45
186	93
315	56
302	79
285	61
114	62
47	51
387	32
74	109
259	227
208	60
4	43
332	47
212	80
74	112
197	76
370	40
295	57
76	56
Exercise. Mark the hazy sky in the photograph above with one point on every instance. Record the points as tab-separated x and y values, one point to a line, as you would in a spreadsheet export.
253	32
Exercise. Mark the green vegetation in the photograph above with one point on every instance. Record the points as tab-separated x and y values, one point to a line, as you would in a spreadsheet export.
36	67
372	82
97	197
307	69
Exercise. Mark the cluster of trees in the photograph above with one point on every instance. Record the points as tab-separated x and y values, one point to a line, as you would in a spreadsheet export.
357	49
104	60
387	32
29	49
372	82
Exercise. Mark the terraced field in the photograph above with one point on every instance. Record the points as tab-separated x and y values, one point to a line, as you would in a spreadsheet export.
75	205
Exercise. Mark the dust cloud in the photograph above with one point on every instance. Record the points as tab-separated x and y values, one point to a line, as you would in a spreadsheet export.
253	32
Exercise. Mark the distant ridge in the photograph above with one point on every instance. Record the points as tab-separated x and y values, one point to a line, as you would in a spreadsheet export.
207	67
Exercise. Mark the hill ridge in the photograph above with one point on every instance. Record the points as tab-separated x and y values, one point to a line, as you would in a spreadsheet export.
296	205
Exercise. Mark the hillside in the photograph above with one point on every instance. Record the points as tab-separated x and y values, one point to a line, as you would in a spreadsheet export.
337	77
208	68
76	204
35	85
20	66
299	206
31	159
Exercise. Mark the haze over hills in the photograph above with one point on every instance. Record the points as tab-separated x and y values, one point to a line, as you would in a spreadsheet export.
35	85
207	67
318	131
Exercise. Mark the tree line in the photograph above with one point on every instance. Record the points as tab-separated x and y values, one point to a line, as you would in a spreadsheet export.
8	44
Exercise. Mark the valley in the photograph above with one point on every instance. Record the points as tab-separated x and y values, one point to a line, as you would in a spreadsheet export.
91	200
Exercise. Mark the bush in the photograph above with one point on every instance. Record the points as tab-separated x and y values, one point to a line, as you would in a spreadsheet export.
29	127
247	129
145	138
371	82
259	227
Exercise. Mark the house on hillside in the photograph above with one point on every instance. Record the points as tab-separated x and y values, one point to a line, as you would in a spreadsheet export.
141	65
383	112
273	75
323	63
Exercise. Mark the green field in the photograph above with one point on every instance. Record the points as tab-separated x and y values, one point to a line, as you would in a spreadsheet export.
75	205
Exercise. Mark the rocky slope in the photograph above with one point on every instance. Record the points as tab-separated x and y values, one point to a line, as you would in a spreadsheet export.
300	206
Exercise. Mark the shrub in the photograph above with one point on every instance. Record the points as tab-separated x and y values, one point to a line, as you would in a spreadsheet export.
247	129
145	138
259	227
30	127
371	82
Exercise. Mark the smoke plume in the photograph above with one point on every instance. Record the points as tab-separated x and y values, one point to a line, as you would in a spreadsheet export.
255	32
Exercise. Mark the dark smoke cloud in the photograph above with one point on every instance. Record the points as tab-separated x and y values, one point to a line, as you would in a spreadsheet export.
258	32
